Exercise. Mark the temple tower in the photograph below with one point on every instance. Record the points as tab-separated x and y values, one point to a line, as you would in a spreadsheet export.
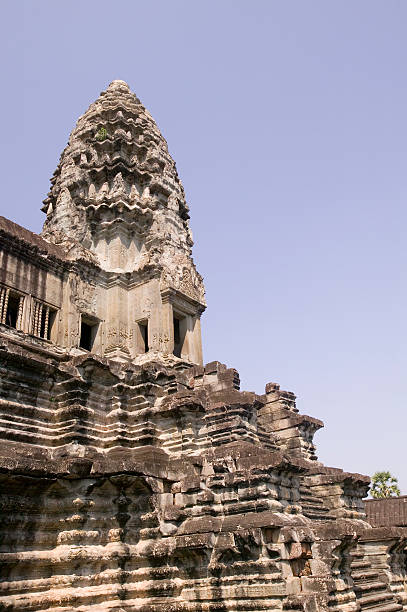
116	202
132	477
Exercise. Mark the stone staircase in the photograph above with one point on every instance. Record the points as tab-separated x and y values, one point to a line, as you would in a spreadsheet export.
313	506
372	592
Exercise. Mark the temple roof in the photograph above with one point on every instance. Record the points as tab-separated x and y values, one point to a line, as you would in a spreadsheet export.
115	153
116	192
19	234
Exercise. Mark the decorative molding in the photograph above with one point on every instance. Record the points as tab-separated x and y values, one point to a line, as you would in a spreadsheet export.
182	302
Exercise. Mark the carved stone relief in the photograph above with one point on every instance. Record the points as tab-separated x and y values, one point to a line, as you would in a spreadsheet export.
83	294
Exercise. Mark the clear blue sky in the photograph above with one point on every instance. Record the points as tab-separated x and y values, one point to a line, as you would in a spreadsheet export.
287	120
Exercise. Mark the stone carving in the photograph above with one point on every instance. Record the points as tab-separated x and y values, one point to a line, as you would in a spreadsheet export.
119	338
73	249
186	280
92	193
126	334
147	307
82	294
142	481
112	332
117	345
161	340
186	285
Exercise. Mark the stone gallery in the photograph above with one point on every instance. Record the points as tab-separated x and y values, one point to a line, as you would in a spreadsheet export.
133	477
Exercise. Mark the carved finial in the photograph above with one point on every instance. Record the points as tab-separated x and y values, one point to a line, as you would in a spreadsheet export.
116	174
118	85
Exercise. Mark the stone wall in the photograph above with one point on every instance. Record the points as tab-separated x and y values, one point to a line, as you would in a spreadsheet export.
133	478
144	487
391	511
40	276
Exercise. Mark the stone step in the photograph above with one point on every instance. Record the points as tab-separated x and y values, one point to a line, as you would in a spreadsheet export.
377	601
312	502
370	586
310	499
360	565
364	575
392	607
313	508
318	517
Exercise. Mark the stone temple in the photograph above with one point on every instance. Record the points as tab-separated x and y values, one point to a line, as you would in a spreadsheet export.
133	477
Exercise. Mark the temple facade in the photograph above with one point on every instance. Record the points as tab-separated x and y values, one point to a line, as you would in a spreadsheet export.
133	477
115	276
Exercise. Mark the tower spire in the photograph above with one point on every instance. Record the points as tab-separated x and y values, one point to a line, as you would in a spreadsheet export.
116	200
116	179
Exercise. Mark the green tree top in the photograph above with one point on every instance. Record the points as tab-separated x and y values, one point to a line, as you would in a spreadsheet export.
384	485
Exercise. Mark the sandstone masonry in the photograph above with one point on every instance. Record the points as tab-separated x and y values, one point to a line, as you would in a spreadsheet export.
133	477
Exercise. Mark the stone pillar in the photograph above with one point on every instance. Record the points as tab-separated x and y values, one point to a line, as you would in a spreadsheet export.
69	330
4	305
19	324
116	341
25	318
166	345
188	312
196	341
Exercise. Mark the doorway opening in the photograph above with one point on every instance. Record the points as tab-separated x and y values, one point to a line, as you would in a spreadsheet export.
89	330
180	331
143	327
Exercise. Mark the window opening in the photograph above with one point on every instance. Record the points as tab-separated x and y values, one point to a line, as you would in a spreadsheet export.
11	308
144	334
176	331
47	321
51	321
12	311
177	347
88	335
43	318
179	326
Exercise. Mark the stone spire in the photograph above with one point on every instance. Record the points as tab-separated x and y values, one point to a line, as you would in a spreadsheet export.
118	209
116	198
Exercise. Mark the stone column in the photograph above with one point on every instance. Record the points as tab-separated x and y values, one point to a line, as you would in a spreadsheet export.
2	296
26	314
167	326
116	342
69	330
19	324
195	351
5	305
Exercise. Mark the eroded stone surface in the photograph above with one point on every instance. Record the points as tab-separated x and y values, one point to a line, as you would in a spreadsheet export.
133	478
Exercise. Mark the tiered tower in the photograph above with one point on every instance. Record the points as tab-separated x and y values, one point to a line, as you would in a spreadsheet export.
117	202
133	478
